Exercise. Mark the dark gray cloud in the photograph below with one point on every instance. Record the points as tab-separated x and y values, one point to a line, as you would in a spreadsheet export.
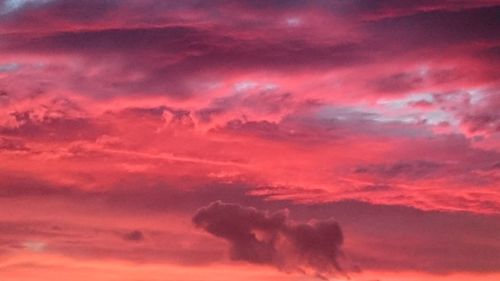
7	144
409	169
134	236
272	238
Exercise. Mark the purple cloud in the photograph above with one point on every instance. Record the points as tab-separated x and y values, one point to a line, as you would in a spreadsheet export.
273	238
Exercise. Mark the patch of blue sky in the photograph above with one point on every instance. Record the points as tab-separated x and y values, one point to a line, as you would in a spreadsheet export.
476	95
398	110
344	112
9	67
403	102
12	5
369	115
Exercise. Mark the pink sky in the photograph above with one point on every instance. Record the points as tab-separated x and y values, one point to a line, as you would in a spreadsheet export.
145	140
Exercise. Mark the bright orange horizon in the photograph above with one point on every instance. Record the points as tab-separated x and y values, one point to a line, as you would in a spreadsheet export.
145	140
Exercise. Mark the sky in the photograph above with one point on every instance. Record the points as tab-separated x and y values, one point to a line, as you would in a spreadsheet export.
290	140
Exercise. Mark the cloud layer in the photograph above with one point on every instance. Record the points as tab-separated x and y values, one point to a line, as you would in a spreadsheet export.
120	119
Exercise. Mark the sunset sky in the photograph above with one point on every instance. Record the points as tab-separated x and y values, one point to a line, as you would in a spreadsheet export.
273	140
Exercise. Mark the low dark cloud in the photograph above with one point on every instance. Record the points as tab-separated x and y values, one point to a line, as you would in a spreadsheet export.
135	236
439	28
409	169
7	144
488	122
480	117
273	238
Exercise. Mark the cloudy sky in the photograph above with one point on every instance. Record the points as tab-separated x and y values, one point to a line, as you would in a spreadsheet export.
152	140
